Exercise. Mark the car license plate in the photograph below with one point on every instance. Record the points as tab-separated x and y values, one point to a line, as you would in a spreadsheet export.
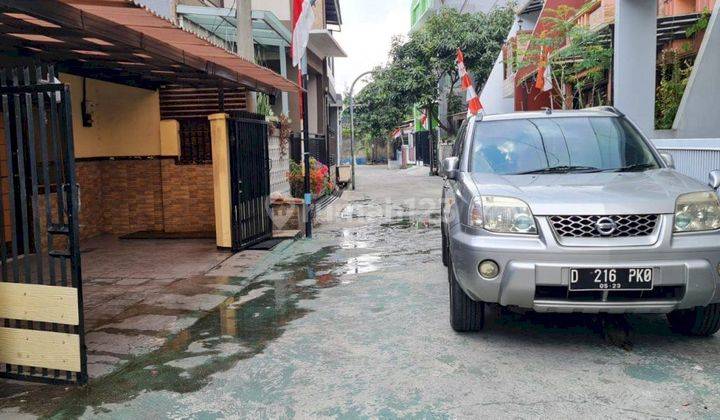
611	279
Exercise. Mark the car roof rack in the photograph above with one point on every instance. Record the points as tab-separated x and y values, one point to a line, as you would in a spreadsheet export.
607	108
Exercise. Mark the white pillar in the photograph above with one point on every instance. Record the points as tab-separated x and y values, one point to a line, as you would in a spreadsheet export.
635	61
283	72
245	43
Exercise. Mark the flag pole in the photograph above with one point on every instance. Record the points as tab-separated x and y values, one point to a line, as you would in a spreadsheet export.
306	154
306	141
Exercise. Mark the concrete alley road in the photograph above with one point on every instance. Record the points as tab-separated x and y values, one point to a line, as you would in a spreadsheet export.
354	323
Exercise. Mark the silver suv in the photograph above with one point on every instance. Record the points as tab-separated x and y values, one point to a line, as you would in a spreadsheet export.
575	211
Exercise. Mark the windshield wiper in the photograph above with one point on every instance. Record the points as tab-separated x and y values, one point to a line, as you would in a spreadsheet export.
562	169
635	167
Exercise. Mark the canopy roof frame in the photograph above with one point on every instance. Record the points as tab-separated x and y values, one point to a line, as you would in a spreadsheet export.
221	22
116	39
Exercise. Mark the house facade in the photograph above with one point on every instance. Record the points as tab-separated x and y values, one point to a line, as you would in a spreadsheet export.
117	124
270	30
421	9
678	36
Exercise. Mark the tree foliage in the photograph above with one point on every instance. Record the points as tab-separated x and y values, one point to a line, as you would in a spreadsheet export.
418	63
378	106
579	57
429	54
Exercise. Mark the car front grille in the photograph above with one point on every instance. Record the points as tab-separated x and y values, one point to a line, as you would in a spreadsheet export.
625	226
658	293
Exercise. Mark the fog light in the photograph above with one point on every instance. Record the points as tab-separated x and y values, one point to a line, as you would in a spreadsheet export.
489	269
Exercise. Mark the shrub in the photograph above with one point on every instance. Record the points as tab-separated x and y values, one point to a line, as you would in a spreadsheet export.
320	183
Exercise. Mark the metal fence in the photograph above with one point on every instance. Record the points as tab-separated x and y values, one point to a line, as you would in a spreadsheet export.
318	149
41	316
693	157
423	147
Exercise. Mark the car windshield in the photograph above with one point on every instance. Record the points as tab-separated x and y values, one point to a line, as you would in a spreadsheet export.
559	145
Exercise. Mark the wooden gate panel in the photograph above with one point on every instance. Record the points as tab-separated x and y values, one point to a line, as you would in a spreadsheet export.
34	302
40	349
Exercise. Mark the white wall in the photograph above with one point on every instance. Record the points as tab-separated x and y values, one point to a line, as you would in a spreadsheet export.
473	6
492	97
281	8
702	94
280	166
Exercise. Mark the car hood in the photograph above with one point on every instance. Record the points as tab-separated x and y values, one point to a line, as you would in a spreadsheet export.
649	192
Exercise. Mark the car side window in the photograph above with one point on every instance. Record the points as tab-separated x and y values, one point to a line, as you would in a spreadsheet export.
459	145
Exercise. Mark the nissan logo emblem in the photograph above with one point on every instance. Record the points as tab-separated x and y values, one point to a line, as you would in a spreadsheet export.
605	226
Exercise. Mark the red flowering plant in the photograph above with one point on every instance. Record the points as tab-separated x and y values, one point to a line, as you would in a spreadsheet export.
320	183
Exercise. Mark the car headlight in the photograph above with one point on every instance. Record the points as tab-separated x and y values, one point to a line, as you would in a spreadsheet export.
501	215
697	212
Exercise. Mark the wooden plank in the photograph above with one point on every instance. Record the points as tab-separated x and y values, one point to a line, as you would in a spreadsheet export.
34	302
42	349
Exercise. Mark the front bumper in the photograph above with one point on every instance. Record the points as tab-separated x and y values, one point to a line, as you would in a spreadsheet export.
535	270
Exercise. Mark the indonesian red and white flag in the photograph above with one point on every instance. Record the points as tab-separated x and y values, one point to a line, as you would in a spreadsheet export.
303	19
544	81
473	101
424	120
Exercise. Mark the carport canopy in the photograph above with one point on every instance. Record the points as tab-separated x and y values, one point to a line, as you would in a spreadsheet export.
119	41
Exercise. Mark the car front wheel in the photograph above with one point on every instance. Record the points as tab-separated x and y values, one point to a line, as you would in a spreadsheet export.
466	315
700	321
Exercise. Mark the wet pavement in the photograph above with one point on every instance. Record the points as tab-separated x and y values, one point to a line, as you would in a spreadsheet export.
354	323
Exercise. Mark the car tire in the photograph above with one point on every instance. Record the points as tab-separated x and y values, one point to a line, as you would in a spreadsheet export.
445	250
466	315
700	321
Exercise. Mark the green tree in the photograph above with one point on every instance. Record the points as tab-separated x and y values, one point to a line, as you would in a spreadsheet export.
379	108
428	55
417	64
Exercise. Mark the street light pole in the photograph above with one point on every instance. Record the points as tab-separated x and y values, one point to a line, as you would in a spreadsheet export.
352	125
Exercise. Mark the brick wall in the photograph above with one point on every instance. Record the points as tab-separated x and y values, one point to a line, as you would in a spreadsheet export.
89	177
188	201
130	195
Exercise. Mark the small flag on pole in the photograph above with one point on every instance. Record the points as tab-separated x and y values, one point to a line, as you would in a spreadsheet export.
473	101
424	119
544	81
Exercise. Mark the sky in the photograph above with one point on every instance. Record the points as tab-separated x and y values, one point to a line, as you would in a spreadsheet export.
368	27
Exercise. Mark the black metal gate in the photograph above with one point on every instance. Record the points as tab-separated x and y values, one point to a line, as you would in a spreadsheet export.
250	180
41	314
423	147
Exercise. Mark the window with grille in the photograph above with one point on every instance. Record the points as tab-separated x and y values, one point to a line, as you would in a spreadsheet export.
195	142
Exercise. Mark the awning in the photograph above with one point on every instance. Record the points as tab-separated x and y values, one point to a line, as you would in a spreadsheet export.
222	22
116	39
324	45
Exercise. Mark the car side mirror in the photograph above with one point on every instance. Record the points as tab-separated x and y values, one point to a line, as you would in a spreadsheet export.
714	179
668	159
450	167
